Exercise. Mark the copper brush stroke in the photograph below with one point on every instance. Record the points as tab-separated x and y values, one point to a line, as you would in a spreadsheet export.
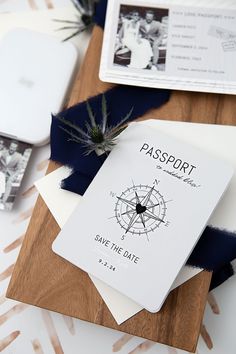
206	337
7	272
33	5
14	244
42	165
52	332
29	192
172	350
70	324
143	347
37	346
49	4
4	343
23	216
212	302
118	345
2	299
15	310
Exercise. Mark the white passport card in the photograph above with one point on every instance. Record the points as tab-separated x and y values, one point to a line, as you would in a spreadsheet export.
143	214
167	44
206	136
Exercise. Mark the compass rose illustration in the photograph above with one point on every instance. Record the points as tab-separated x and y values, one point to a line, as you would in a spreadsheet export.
141	209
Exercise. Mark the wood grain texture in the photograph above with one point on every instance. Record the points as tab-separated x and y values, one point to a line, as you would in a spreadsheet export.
46	280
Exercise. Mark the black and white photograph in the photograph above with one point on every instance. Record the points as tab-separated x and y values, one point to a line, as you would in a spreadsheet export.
141	40
14	156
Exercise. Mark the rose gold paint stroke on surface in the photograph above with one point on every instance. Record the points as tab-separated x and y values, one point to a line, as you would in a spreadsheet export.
212	302
52	332
2	299
172	350
143	347
70	324
7	272
29	192
14	244
33	5
49	4
8	340
12	312
118	345
37	346
206	337
23	216
42	165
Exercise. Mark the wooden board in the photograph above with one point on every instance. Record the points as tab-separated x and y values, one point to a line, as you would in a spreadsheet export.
43	279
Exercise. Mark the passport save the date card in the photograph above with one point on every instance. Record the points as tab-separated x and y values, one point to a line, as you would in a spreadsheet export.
143	213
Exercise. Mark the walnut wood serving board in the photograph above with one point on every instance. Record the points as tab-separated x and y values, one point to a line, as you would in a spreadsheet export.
43	279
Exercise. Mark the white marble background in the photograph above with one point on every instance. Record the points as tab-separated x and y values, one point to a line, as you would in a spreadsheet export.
25	329
26	5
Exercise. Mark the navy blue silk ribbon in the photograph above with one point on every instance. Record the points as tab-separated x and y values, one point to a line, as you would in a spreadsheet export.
100	13
216	248
120	99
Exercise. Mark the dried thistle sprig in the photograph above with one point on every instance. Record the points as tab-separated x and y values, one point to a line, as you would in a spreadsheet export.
85	12
100	138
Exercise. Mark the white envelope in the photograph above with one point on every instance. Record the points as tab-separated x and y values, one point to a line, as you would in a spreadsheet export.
213	138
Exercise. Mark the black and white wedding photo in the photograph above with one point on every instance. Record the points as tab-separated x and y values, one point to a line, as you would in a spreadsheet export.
141	40
14	157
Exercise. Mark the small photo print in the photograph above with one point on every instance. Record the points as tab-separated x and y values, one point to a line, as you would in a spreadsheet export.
141	38
14	157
